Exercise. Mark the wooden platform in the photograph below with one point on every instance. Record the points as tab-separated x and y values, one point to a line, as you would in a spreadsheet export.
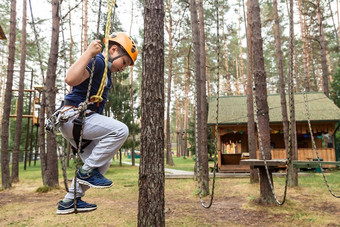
314	164
260	163
234	169
282	162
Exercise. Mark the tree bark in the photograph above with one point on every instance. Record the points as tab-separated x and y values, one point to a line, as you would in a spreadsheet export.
29	133
296	76
51	174
186	105
71	37
323	50
85	25
18	123
132	100
254	173
228	81
292	172
304	49
5	173
169	160
277	33
132	118
151	169
241	56
261	97
203	105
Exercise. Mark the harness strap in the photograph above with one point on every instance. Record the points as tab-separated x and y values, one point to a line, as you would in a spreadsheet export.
78	123
77	126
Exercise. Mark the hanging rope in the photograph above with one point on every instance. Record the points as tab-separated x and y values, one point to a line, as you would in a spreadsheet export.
83	106
216	126
314	145
291	102
98	96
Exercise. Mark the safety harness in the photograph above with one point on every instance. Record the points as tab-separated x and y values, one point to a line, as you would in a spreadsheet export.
78	124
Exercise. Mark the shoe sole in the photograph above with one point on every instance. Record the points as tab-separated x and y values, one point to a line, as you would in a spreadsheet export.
71	210
80	181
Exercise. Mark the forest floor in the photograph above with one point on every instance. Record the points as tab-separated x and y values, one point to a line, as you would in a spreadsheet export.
309	204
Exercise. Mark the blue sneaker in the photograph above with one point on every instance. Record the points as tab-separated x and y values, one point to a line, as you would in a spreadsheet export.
94	179
68	207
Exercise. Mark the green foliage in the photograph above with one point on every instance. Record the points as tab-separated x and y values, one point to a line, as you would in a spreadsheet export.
43	189
335	87
191	139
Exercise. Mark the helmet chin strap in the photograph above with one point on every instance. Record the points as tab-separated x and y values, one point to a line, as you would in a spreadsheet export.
110	61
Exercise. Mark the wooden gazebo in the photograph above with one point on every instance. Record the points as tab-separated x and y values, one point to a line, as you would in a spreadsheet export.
232	129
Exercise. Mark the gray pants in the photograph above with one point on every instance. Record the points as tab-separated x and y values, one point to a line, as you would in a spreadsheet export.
107	136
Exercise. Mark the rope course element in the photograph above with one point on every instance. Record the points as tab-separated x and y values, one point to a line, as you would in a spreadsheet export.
314	145
97	98
216	127
291	103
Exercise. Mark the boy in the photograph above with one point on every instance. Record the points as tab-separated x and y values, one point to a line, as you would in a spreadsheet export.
104	136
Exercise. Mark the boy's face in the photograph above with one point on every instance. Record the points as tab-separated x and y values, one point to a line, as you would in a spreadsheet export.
120	63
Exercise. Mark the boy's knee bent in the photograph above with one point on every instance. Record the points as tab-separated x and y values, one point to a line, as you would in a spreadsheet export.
125	131
122	132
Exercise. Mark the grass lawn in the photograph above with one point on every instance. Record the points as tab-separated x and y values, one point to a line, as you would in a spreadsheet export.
309	204
181	163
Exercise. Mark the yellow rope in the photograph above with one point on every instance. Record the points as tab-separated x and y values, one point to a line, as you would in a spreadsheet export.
98	96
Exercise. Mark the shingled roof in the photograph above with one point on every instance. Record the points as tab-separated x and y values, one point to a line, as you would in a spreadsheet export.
233	109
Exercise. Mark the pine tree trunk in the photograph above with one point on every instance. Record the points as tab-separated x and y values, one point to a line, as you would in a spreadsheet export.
323	50
304	48
5	173
28	131
197	63
261	98
281	75
237	85
297	80
315	82
85	25
18	123
71	37
132	100
132	118
186	105
292	172
241	56
51	174
2	83
178	124
203	105
151	169
169	160
228	81
254	173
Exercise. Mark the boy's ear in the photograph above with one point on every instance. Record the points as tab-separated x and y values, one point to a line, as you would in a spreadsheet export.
113	49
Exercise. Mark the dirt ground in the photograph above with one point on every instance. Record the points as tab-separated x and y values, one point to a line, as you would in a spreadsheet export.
233	206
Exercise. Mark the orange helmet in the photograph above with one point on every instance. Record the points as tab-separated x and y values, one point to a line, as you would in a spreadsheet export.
127	43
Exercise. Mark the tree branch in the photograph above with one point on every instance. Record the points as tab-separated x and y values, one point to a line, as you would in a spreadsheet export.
76	6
